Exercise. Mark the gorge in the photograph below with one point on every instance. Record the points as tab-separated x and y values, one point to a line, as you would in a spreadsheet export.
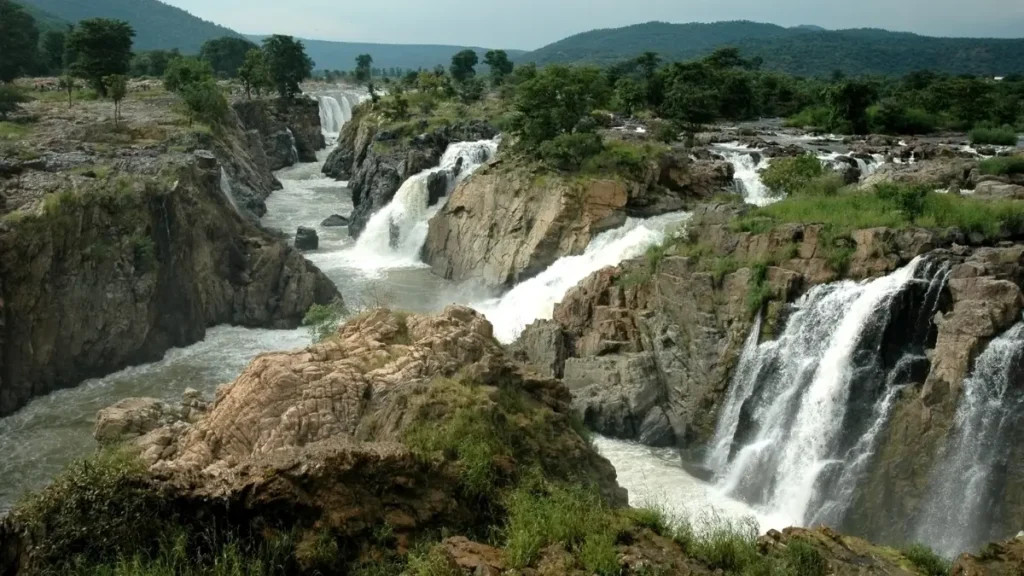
884	400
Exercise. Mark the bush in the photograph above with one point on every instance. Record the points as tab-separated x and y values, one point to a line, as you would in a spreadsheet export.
890	117
569	151
1002	165
788	175
930	563
205	102
184	71
828	184
323	320
625	158
1005	136
11	99
816	117
907	199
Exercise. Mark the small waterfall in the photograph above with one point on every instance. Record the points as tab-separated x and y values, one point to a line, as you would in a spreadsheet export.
225	187
961	504
804	411
332	116
395	235
536	298
747	173
295	151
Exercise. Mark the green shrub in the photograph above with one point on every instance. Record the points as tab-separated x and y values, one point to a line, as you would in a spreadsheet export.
930	563
816	117
431	562
1005	136
323	320
828	184
184	71
802	559
909	200
569	151
890	117
622	158
1002	165
788	175
205	102
11	99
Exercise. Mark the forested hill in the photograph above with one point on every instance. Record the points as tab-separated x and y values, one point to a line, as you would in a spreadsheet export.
44	20
330	55
804	50
157	25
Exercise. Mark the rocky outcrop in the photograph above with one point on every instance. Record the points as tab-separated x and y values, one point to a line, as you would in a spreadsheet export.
508	223
376	161
306	239
940	173
289	129
995	559
154	261
134	417
334	221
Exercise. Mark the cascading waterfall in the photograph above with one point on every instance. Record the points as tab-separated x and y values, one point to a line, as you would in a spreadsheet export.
747	174
535	299
295	151
225	188
332	116
805	410
395	235
958	513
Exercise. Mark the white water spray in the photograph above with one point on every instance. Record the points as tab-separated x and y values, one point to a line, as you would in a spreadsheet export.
394	236
747	173
535	299
225	188
332	116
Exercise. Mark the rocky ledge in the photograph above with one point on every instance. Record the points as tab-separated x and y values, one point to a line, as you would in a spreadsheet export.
114	272
376	161
513	219
400	445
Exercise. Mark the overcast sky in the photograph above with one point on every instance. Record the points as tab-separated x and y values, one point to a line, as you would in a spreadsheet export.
529	24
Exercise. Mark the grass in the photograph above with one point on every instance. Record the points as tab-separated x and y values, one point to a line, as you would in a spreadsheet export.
815	117
1005	136
627	159
1002	165
926	560
13	130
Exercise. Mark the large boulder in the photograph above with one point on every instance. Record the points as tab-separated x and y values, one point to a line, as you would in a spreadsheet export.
334	221
306	239
992	189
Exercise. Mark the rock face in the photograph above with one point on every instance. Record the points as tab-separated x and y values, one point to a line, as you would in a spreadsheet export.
508	224
377	162
306	239
154	267
940	173
290	130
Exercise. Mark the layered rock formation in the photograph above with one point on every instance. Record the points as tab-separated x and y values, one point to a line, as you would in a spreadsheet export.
377	161
511	221
113	273
289	129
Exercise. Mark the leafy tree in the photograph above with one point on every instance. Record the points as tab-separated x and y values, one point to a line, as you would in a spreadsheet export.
848	103
463	63
18	41
555	101
254	73
11	98
185	71
471	90
67	84
226	55
790	175
54	48
630	96
364	70
499	64
153	63
691	94
205	102
287	64
101	48
725	58
737	100
569	151
117	89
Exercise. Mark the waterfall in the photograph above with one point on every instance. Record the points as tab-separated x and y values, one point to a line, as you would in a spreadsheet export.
225	187
395	235
957	515
747	173
535	299
804	411
332	116
295	151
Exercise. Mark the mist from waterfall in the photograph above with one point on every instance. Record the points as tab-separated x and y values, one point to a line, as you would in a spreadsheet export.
961	500
225	188
804	411
395	235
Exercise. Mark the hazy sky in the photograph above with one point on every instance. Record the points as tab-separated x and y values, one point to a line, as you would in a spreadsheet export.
529	24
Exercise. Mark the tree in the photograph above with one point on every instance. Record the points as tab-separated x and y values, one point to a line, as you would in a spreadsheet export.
629	97
54	47
254	74
690	93
555	101
184	71
18	41
11	98
67	84
101	48
117	88
364	67
848	103
226	55
205	102
287	64
463	63
725	58
500	65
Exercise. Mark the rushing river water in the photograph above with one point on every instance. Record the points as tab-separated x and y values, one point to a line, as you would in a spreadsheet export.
42	438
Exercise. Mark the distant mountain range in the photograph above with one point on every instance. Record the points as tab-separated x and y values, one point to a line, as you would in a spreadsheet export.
157	25
330	55
44	20
803	50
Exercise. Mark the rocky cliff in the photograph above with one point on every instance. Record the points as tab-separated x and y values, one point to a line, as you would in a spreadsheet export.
376	160
401	443
513	219
113	272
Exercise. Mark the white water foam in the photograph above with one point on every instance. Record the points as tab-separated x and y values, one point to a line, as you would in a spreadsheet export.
535	299
225	188
332	116
394	236
747	172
